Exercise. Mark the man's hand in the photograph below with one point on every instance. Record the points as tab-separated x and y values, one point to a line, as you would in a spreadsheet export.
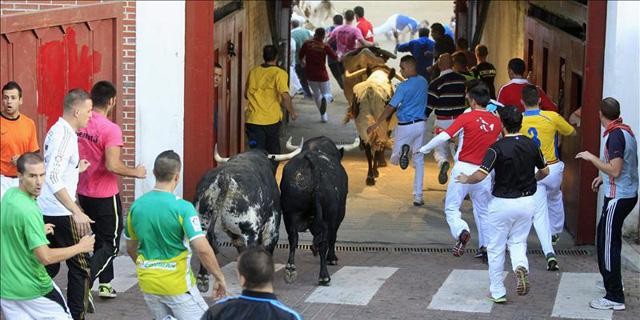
48	228
597	182
83	223
424	150
141	172
83	165
371	128
14	160
86	243
462	178
586	155
293	114
221	290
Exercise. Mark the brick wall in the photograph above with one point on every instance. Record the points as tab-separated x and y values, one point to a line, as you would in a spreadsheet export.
127	107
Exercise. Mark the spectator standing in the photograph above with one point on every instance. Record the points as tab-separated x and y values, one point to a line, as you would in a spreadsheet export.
460	65
484	70
511	93
366	28
300	35
313	56
462	45
421	49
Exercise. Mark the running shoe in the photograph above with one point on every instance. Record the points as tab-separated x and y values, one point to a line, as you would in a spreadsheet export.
105	290
324	118
552	262
404	156
554	239
522	275
480	252
458	249
606	304
418	202
443	176
502	299
323	105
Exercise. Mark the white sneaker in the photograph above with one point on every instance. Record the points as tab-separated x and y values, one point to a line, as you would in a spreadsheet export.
325	117
606	304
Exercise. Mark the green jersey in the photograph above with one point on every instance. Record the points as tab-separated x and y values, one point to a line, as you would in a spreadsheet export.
22	275
163	225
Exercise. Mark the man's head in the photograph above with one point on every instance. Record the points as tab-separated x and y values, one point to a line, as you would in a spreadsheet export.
319	34
255	269
478	96
530	96
459	61
423	32
481	52
77	108
270	53
167	166
511	118
337	20
11	99
462	44
609	110
437	31
349	16
294	23
359	11
217	75
408	66
516	68
103	95
31	173
471	83
444	62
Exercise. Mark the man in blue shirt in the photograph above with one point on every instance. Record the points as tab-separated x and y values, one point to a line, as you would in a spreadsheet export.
421	49
409	102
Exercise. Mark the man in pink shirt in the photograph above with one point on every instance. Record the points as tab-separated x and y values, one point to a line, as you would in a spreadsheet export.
347	35
100	143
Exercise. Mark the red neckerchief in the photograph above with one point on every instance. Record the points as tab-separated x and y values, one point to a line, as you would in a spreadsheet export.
617	124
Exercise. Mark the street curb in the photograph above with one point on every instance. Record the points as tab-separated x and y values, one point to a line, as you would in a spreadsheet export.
630	257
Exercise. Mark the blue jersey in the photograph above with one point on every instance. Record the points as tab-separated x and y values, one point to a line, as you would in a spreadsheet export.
622	144
403	21
422	50
410	99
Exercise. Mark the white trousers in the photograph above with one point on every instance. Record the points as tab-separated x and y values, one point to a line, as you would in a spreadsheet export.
480	194
37	309
441	152
552	184
294	82
6	183
321	89
508	225
413	135
387	27
187	306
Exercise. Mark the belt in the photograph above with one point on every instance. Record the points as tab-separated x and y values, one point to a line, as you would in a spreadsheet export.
410	122
447	117
553	162
12	177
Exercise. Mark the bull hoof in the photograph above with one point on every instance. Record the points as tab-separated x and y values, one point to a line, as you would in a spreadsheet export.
371	181
314	250
290	275
202	281
376	174
324	281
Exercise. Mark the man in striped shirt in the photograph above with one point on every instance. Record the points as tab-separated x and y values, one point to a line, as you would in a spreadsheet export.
447	101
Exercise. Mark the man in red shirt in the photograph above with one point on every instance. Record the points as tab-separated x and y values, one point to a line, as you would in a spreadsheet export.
511	93
477	130
363	24
313	57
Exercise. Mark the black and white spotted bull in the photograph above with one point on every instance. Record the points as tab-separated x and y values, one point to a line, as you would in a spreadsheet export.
314	190
242	193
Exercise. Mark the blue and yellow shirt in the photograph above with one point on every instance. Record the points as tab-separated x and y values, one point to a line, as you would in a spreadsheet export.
543	128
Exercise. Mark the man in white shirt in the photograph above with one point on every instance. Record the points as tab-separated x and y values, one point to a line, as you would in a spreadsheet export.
58	198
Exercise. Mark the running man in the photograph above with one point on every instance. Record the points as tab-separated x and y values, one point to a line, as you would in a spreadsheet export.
514	159
421	49
511	93
543	128
26	290
313	56
409	101
397	23
619	164
477	130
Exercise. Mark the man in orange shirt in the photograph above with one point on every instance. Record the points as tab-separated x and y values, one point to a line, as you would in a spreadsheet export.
19	135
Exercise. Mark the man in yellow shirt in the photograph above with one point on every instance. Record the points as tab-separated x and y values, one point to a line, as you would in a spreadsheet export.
19	135
266	88
543	128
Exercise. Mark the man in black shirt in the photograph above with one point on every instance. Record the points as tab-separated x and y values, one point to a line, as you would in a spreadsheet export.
514	159
485	71
444	43
257	301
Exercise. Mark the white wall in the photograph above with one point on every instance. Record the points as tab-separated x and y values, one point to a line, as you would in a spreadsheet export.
160	45
622	71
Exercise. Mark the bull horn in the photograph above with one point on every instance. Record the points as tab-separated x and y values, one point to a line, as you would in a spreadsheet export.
349	147
290	145
217	156
287	156
357	73
399	77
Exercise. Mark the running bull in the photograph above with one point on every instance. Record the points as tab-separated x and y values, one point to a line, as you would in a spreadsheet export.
314	190
243	194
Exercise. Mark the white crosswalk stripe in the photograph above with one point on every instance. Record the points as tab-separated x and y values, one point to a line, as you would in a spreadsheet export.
464	290
352	285
575	292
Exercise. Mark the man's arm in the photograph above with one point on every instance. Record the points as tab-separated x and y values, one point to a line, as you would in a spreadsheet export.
542	173
132	249
612	168
49	256
388	111
441	138
246	88
286	102
115	165
476	177
208	258
545	102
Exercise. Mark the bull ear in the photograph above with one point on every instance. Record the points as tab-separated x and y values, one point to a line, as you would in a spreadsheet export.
341	150
392	73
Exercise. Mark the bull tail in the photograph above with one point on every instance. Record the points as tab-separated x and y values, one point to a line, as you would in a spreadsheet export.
318	218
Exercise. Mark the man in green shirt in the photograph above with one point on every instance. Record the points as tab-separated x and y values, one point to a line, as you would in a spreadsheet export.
26	290
160	227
